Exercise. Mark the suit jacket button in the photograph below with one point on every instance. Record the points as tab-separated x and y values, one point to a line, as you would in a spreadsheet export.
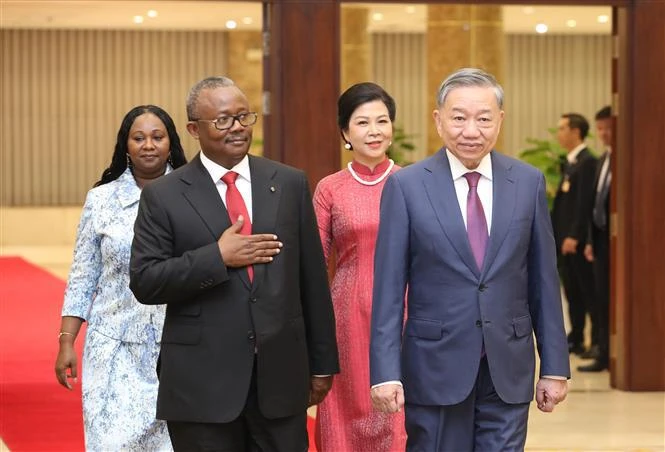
479	323
253	300
482	287
250	335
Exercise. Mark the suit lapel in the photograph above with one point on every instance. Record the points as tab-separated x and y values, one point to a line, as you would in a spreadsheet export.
204	198
504	195
202	194
441	192
266	192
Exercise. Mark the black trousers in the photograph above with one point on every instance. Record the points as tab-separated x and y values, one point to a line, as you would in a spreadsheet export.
601	305
578	285
250	432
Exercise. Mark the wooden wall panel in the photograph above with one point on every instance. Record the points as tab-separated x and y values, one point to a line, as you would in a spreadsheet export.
637	229
64	94
302	85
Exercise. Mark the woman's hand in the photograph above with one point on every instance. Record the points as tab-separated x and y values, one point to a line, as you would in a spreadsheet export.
66	360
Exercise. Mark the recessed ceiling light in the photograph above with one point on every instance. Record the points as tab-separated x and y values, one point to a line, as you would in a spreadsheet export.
247	20
152	13
541	28
603	19
572	23
231	24
410	9
528	10
138	19
377	17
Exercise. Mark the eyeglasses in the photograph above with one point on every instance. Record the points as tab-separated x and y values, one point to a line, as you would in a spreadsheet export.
226	122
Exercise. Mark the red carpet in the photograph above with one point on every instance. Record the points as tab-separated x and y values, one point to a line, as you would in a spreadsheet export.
36	413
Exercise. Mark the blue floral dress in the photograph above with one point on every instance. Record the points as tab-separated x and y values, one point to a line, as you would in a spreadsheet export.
119	379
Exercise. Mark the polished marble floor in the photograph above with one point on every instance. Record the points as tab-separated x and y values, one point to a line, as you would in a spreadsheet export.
593	418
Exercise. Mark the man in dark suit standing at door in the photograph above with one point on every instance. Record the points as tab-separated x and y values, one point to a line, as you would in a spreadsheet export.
570	219
597	250
229	243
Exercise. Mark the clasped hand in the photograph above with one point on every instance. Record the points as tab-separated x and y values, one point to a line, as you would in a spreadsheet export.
240	250
388	398
550	392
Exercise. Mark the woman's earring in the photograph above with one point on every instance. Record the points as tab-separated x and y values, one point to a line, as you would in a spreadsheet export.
129	161
348	146
170	160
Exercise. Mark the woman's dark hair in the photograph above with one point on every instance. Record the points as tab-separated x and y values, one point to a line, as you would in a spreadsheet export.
359	94
119	160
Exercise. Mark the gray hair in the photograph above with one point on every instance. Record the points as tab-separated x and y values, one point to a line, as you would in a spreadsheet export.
468	77
206	83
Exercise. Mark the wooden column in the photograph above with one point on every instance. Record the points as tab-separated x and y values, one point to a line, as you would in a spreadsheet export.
301	80
638	221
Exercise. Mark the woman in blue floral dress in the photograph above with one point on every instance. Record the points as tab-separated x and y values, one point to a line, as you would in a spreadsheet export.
119	380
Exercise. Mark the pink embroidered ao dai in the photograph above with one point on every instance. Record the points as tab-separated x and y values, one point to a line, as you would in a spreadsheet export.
348	217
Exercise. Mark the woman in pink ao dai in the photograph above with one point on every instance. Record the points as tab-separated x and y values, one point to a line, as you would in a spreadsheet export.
347	209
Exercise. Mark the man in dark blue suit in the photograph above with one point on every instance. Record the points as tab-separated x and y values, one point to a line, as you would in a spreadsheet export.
597	249
466	234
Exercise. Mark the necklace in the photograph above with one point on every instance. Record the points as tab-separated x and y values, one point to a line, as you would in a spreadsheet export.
375	181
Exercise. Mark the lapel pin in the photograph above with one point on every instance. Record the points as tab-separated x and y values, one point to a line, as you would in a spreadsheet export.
272	189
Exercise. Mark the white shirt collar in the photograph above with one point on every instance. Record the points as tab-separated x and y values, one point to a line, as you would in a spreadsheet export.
458	169
218	171
572	155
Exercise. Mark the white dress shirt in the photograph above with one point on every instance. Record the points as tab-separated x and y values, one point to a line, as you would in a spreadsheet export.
572	155
243	183
603	171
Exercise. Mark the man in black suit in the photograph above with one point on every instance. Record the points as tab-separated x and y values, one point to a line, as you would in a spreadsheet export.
570	218
597	250
249	336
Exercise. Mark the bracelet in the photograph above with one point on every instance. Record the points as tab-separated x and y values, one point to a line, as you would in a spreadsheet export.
66	333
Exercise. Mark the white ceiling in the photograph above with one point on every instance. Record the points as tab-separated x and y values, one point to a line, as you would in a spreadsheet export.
207	15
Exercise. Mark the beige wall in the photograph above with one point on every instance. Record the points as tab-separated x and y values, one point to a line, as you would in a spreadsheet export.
545	76
64	94
399	65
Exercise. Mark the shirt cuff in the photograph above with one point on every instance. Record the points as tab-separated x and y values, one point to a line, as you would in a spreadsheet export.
554	377
391	382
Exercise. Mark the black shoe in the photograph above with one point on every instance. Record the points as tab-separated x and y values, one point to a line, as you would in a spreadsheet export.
577	349
596	366
592	353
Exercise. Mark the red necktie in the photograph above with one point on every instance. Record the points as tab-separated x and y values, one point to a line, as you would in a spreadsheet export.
235	205
476	225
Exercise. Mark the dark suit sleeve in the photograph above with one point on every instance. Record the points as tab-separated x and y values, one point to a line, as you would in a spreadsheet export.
583	199
315	292
391	269
598	167
545	293
157	276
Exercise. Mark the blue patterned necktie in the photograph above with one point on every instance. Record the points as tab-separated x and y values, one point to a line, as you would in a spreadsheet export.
476	224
